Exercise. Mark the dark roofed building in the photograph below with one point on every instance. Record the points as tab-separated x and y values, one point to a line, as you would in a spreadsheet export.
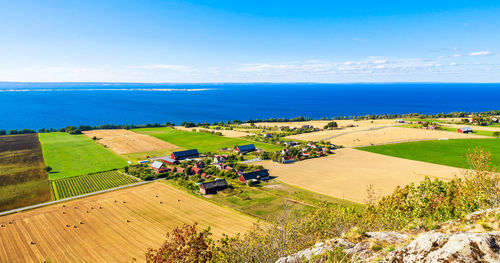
181	155
213	187
245	148
255	175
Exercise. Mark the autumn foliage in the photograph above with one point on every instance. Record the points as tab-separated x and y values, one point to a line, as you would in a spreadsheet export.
184	244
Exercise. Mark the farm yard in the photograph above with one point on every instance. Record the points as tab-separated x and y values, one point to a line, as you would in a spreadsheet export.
204	142
348	173
395	135
23	180
447	152
84	184
124	141
112	227
73	155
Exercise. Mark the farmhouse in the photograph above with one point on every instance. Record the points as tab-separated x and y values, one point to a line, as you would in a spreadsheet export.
254	176
169	160
400	121
464	130
159	167
245	148
287	159
181	155
213	187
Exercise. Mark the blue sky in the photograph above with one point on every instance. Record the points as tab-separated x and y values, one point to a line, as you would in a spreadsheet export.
250	41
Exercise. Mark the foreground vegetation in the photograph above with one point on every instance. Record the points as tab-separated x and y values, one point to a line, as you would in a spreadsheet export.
23	180
204	142
84	184
72	155
410	208
445	152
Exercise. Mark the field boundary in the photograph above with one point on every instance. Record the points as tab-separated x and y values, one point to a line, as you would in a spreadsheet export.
72	198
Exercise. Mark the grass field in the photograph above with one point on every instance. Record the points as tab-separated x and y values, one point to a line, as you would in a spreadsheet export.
23	180
84	184
72	155
204	142
267	199
446	152
102	230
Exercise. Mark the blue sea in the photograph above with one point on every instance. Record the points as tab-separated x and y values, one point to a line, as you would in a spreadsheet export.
55	105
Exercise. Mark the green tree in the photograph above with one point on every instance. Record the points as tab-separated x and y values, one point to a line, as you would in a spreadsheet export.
496	134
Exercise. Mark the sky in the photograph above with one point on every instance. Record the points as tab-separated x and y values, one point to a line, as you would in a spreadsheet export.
249	41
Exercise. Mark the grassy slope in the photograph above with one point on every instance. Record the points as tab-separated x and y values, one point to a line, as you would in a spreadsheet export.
72	155
446	152
204	142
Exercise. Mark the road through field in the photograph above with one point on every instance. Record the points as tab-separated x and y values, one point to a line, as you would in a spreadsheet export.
111	227
349	172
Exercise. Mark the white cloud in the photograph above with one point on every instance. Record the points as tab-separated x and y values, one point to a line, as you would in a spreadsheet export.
456	56
453	64
164	66
481	53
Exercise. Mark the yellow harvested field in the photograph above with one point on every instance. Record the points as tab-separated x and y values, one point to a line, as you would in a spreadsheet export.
125	141
118	232
227	133
326	134
348	173
321	124
394	135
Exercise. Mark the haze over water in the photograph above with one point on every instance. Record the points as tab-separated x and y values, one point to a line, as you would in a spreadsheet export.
38	105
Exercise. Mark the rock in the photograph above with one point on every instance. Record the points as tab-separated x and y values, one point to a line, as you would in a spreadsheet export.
459	247
389	237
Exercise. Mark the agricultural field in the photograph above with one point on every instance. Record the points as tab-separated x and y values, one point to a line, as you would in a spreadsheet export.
72	155
117	226
204	142
84	184
267	199
321	123
23	180
226	133
448	152
348	173
395	135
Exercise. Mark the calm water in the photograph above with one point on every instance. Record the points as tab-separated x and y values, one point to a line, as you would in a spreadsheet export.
34	106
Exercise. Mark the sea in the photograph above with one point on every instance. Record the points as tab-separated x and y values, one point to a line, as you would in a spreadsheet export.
56	105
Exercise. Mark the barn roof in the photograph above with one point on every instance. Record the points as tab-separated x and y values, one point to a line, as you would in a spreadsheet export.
214	184
157	165
185	153
255	174
247	147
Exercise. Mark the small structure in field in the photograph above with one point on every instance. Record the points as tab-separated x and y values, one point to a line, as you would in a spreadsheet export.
245	148
258	175
400	121
287	159
465	130
213	187
182	155
159	167
143	161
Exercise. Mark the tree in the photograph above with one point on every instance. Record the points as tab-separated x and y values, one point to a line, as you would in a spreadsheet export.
184	244
331	125
496	134
48	168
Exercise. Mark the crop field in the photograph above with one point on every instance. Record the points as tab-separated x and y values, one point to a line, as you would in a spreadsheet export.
84	184
226	133
23	180
72	155
348	173
111	227
125	141
395	135
449	152
204	142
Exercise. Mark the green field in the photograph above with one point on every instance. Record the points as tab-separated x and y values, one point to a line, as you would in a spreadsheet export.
72	155
446	152
204	142
476	132
78	185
